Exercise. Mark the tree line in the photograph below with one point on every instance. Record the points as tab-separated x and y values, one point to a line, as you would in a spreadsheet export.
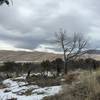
54	67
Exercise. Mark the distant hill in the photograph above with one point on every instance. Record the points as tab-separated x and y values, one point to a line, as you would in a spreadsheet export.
23	56
93	51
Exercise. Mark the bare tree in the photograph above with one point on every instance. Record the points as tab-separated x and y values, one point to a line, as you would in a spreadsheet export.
72	46
7	2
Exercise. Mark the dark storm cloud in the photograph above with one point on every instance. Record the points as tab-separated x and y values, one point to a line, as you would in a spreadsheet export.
27	24
24	41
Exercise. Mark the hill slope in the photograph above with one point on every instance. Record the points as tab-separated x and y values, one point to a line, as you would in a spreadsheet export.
26	56
37	56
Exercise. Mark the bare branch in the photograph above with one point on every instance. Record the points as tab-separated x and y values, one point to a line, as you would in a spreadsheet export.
72	46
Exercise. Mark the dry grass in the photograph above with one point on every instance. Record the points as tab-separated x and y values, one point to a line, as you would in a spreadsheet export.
2	86
88	88
71	77
44	81
28	92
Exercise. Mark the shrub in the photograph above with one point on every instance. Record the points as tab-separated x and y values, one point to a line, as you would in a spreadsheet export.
57	65
45	66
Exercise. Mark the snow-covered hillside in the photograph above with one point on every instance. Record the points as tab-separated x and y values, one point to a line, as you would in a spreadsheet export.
17	90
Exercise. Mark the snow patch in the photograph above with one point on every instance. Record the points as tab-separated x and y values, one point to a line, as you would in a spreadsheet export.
15	89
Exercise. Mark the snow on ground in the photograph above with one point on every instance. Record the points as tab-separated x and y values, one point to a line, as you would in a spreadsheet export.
16	89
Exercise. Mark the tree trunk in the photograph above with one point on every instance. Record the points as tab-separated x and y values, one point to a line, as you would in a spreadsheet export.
65	64
65	68
28	74
65	59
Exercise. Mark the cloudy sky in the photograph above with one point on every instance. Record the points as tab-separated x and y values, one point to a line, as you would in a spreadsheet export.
28	24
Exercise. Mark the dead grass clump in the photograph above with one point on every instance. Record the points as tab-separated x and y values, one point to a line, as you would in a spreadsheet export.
2	86
48	82
88	88
44	81
71	78
28	92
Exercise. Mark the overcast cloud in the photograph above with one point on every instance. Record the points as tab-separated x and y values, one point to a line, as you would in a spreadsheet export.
28	24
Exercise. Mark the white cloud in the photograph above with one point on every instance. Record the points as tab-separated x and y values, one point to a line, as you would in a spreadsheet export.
46	48
6	46
27	24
